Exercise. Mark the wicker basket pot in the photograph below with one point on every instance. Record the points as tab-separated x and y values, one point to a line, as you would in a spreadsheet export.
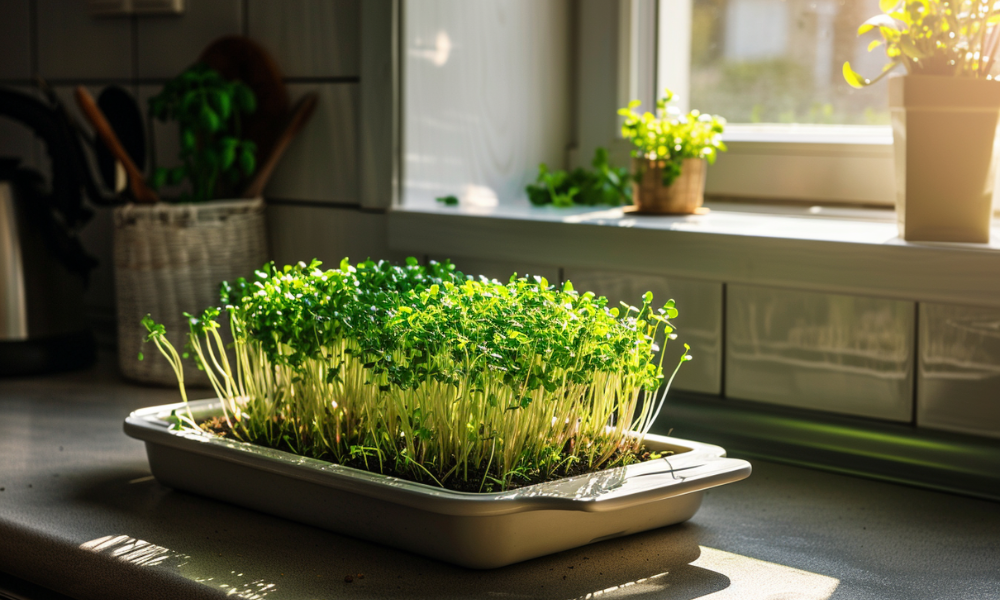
170	259
683	197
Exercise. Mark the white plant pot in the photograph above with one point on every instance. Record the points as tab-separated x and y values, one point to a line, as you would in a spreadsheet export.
944	136
481	531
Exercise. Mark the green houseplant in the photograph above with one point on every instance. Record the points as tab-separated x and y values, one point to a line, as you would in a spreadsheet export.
478	422
944	110
670	152
207	110
604	185
171	256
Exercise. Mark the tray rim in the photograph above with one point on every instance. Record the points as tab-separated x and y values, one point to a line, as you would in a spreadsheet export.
698	467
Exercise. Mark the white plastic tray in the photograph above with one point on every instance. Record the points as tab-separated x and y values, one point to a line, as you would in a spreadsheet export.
473	530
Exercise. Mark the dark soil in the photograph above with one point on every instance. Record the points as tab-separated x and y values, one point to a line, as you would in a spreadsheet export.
474	483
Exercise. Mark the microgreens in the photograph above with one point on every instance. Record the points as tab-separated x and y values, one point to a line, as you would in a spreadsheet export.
423	371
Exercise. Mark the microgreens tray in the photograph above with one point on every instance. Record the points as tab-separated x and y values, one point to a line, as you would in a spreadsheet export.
477	530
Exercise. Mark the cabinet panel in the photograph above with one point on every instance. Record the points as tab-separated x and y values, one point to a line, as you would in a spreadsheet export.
501	269
958	381
830	352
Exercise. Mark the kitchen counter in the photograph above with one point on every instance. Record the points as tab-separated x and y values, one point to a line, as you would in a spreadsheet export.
81	515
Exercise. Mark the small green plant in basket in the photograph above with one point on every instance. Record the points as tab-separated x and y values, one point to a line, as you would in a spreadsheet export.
670	137
933	37
207	108
423	373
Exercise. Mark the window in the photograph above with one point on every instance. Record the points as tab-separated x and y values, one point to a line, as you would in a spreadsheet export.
796	130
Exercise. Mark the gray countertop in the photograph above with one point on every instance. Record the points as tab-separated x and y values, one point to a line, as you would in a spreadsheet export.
80	514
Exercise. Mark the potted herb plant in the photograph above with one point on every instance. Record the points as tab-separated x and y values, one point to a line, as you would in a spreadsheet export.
944	111
471	420
171	256
670	153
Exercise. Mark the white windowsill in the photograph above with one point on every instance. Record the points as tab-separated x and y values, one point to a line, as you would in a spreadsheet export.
833	249
862	135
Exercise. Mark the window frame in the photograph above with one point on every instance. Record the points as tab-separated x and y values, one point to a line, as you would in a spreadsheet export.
831	164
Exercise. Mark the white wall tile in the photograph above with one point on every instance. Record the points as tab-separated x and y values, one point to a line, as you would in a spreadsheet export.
485	96
699	322
301	233
74	45
826	352
15	39
169	44
501	269
321	164
309	38
958	377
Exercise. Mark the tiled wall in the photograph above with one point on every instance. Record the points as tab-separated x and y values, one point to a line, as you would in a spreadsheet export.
316	195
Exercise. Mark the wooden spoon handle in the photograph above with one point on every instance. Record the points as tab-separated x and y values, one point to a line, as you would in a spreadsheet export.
303	111
140	190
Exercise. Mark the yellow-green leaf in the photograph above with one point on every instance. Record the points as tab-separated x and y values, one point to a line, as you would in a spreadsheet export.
853	79
881	21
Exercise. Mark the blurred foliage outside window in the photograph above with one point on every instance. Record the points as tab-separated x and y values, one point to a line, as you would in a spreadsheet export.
779	61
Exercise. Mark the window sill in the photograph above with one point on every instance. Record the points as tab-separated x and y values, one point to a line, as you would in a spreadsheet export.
831	249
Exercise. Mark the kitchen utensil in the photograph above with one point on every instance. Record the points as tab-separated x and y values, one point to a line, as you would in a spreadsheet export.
125	118
303	112
137	183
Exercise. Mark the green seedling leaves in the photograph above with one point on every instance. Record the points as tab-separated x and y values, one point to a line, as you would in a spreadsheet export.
375	360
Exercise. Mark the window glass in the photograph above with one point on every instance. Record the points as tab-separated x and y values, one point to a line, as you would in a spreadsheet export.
780	61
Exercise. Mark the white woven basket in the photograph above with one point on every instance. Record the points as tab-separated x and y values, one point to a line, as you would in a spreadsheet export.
170	259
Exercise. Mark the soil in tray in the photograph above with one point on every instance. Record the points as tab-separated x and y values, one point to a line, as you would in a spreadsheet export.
219	427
